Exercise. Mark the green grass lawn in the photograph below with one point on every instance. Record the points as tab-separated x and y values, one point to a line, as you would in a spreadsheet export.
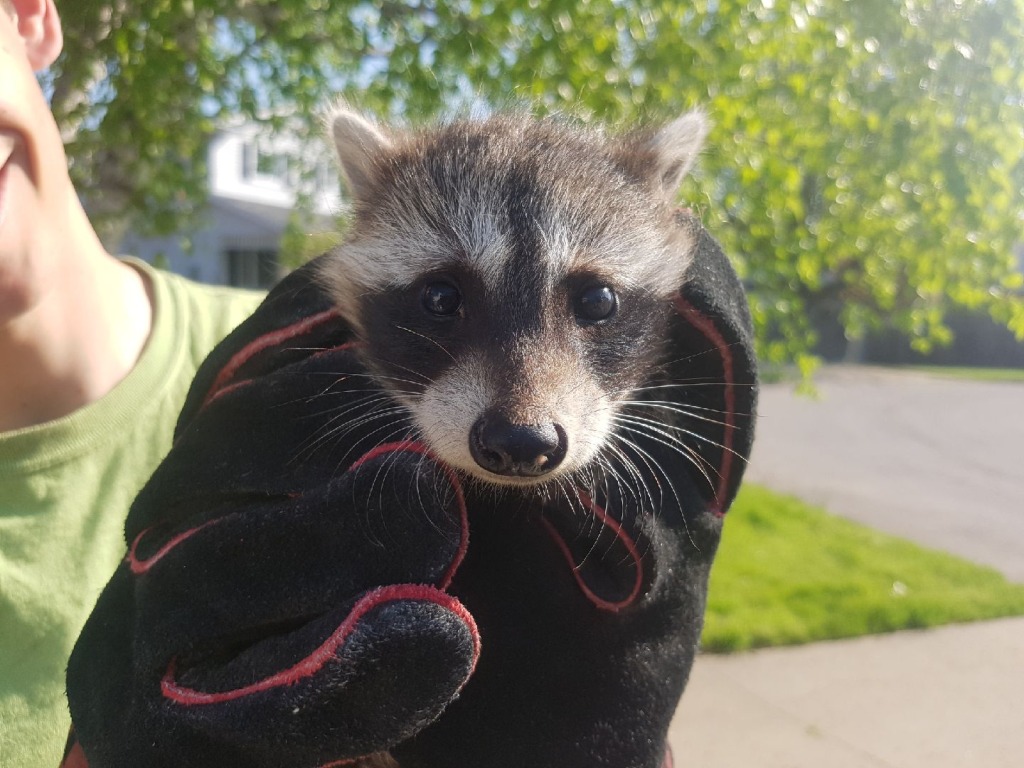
791	573
972	374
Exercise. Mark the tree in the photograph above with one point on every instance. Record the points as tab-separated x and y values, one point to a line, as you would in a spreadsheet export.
867	156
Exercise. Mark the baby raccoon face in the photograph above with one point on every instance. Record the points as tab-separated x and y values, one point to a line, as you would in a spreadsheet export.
511	281
512	376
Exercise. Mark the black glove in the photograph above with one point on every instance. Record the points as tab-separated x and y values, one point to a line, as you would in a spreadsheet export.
591	607
282	602
589	604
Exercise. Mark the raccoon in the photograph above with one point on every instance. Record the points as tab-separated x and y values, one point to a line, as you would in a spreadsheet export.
510	279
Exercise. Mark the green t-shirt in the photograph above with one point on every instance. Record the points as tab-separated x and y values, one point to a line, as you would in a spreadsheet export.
65	487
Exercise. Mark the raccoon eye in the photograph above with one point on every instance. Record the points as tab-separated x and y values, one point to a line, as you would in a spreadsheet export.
442	299
595	303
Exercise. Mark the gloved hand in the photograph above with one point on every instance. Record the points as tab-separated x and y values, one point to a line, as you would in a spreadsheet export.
282	602
591	603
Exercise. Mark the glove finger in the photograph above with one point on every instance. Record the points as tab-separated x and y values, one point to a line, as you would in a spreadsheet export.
371	673
604	545
619	538
396	517
276	435
356	681
295	320
711	376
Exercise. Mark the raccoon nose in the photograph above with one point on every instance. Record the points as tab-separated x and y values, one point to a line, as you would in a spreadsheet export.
527	450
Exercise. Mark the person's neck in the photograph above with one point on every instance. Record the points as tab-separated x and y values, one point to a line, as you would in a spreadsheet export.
81	335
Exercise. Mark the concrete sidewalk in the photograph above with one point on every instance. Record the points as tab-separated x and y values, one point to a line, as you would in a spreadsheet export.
945	698
932	459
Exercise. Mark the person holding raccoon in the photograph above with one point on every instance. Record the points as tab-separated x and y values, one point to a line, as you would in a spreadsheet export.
450	497
447	499
96	355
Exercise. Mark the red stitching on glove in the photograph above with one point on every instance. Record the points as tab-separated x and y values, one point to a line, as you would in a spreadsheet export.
315	661
75	757
263	342
704	324
142	566
599	512
139	567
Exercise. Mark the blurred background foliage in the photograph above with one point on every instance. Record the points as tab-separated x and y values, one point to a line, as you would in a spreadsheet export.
866	159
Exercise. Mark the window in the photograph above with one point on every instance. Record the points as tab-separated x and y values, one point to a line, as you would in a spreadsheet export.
249	159
259	162
252	268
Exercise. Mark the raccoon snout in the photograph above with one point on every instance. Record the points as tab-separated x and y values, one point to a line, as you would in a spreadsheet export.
524	450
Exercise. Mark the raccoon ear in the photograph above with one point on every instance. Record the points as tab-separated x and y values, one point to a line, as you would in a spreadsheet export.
668	154
359	145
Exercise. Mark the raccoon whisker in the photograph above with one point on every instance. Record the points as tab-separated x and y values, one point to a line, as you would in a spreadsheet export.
676	383
446	497
422	380
398	429
591	521
639	420
380	379
637	396
695	355
594	481
686	409
642	488
568	486
336	436
336	379
658	469
427	338
625	489
674	425
571	499
642	510
680	410
339	432
378	415
595	475
637	486
675	444
697	381
331	426
371	396
331	429
381	475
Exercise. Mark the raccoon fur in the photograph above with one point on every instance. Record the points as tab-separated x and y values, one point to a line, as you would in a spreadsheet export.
510	279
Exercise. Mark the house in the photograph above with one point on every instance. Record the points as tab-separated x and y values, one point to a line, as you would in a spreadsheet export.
978	340
256	181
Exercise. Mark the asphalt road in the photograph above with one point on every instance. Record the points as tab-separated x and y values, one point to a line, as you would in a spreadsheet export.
933	459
